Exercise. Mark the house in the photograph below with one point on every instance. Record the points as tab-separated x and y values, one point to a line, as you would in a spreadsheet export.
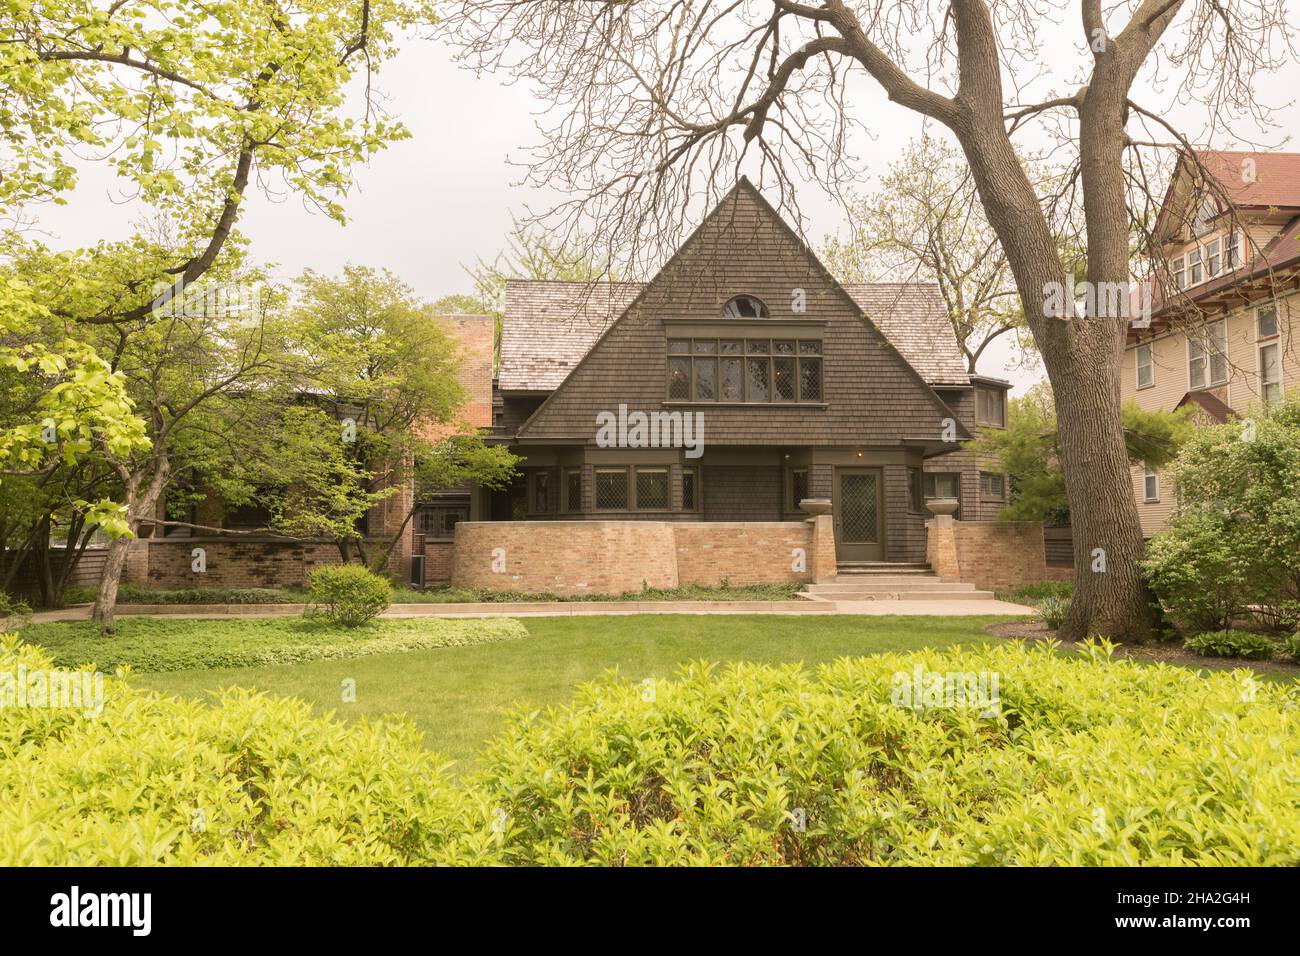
738	382
1223	317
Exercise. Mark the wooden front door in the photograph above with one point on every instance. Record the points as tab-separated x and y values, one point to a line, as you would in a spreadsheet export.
859	514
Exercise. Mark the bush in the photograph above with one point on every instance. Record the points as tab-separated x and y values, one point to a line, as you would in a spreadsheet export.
251	779
1232	644
165	644
1091	761
1053	610
1290	647
349	594
1201	570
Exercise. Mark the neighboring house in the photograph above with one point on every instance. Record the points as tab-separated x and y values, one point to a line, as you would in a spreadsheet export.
1224	310
777	382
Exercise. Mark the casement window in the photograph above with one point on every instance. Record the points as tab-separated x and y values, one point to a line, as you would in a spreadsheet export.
915	493
798	488
1150	485
993	487
991	406
632	489
749	370
611	489
573	489
941	485
690	489
438	522
1270	372
1266	321
1146	370
541	492
1207	356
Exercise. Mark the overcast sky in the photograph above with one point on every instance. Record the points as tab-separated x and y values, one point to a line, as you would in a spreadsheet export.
431	204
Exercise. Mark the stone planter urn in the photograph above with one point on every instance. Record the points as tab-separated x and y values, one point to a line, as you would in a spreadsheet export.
940	507
815	506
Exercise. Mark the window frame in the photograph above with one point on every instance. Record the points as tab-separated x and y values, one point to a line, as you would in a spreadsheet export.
915	491
1150	477
1001	398
1264	385
1002	479
806	351
1150	365
791	500
931	478
634	504
1202	340
695	471
570	506
627	487
1260	310
539	481
1178	272
764	311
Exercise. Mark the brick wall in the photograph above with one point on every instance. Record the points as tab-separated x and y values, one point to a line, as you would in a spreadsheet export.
613	557
992	556
166	563
437	561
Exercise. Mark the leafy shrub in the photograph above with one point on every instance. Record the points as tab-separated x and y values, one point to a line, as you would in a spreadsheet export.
753	764
1054	610
156	780
163	644
1231	644
135	594
349	594
14	614
1290	647
1234	541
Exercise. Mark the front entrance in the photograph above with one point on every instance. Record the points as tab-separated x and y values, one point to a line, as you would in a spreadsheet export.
859	514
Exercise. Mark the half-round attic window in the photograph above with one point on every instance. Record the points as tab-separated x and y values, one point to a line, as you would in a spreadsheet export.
745	307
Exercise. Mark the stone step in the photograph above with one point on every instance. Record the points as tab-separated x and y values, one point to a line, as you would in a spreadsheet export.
837	587
901	595
873	569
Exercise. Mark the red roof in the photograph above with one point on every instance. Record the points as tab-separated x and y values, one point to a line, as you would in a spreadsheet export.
1255	179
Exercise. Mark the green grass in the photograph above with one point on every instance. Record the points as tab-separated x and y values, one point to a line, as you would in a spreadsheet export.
162	644
1032	594
459	695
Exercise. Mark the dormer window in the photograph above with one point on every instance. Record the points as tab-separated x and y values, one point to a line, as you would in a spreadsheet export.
745	307
1206	213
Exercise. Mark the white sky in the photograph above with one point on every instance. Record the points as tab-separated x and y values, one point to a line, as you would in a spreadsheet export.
430	205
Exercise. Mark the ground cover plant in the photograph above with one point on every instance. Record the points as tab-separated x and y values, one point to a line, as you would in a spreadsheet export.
162	644
736	764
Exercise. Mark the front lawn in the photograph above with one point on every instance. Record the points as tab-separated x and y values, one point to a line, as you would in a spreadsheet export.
459	695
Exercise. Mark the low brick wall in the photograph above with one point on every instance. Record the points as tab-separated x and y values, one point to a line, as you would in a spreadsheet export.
613	557
167	562
992	556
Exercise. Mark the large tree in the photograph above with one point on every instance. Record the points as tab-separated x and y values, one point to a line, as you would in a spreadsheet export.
650	92
190	104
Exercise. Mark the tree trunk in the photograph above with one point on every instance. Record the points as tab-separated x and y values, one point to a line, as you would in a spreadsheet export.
1081	356
138	505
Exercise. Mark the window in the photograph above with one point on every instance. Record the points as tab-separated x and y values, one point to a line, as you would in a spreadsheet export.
1205	216
744	370
1146	371
798	487
541	492
745	307
990	406
611	489
915	502
992	487
1231	250
690	489
652	489
1177	268
1266	321
251	515
1194	274
439	521
1207	356
942	486
1212	259
573	489
1270	372
1150	485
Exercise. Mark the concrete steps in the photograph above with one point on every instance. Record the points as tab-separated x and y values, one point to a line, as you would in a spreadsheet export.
885	581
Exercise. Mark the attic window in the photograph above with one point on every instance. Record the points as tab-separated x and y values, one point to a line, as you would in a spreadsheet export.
1205	215
745	307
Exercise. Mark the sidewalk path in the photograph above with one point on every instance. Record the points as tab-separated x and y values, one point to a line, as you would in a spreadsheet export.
942	608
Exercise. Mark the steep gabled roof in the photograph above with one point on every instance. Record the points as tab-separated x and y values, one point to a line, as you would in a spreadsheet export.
549	326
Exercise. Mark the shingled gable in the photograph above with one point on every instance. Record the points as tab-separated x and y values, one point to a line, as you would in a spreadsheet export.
872	394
